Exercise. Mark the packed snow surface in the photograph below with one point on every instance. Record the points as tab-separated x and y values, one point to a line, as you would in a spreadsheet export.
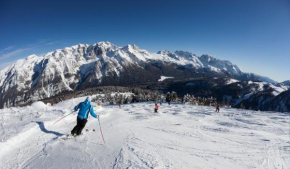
179	136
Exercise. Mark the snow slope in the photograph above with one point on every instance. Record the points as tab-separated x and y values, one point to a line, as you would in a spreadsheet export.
179	136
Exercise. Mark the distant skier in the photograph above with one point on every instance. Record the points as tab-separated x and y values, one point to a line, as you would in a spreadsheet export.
217	108
168	98
156	108
84	109
161	100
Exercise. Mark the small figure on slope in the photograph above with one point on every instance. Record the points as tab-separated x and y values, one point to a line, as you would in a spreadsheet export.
84	109
161	100
217	108
156	108
168	98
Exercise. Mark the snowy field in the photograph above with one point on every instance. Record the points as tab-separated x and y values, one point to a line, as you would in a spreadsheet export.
179	136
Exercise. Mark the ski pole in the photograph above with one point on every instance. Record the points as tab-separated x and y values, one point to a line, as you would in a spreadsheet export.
101	129
62	118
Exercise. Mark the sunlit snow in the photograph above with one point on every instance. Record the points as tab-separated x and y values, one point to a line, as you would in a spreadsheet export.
179	136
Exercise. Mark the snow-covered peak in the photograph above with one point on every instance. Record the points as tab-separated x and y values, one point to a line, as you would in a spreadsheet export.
105	45
164	52
19	73
28	61
135	53
190	57
130	47
178	58
184	53
210	59
31	57
207	58
78	46
74	47
64	69
220	65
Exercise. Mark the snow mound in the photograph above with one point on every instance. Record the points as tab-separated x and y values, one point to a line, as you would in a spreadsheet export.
39	105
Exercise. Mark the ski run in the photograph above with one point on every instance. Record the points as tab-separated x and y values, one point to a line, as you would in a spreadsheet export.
178	136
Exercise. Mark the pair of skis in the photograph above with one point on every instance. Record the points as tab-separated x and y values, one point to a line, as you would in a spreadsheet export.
67	137
98	120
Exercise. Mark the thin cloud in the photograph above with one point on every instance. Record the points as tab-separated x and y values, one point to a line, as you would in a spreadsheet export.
5	55
9	53
5	49
13	53
8	48
55	42
37	43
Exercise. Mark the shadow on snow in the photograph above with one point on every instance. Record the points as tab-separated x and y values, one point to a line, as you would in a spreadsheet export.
42	127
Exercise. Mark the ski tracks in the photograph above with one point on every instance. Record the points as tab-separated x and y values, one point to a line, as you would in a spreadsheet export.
133	155
26	144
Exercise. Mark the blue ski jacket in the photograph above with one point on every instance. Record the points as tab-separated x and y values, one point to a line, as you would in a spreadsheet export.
85	107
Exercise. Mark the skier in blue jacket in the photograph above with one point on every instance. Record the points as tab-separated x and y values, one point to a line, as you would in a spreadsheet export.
84	109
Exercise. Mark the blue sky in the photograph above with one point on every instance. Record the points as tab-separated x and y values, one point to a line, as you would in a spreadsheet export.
253	34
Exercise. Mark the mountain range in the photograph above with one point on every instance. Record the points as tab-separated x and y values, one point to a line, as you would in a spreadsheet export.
105	64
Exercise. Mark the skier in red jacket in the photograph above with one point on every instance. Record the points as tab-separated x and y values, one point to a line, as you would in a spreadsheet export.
217	108
156	108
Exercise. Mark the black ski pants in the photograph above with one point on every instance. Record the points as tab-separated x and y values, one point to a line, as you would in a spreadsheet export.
79	127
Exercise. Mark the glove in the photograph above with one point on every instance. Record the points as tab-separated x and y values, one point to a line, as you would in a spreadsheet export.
98	117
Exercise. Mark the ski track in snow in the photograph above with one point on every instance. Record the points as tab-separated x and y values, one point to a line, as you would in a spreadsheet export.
179	136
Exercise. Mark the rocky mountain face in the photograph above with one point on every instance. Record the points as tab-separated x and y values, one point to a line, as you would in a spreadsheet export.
84	66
